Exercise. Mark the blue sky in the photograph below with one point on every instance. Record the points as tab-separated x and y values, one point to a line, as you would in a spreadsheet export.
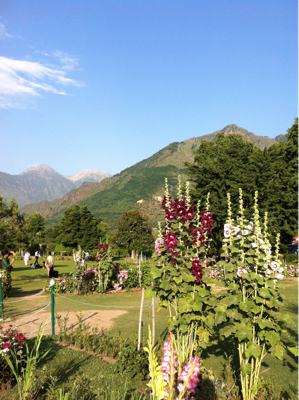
105	84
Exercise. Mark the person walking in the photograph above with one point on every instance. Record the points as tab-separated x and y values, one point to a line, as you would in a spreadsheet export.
26	257
37	255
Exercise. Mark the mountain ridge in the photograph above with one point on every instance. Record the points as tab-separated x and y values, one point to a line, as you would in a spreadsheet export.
40	183
141	181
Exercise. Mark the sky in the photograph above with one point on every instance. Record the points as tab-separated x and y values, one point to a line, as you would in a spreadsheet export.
105	84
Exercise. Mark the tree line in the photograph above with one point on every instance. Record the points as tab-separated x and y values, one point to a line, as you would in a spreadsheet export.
221	166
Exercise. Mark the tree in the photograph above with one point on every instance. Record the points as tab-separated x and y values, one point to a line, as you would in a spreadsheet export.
11	225
35	227
223	166
230	163
78	226
133	231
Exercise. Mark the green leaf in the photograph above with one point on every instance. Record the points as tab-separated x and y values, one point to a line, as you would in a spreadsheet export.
294	350
243	332
272	337
278	350
259	300
165	285
245	369
233	313
226	331
202	292
197	306
263	292
220	317
253	350
178	279
221	308
203	335
246	306
156	272
149	292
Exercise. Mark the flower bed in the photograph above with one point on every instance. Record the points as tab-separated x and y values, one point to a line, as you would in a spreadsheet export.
10	339
88	281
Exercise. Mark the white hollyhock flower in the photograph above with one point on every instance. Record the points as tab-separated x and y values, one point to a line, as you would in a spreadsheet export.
254	244
275	266
250	226
239	236
279	276
268	272
241	271
235	230
244	232
260	240
266	266
226	233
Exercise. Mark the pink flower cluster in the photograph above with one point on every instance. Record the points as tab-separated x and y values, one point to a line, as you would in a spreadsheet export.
190	376
158	243
10	337
290	270
190	372
169	362
123	274
214	274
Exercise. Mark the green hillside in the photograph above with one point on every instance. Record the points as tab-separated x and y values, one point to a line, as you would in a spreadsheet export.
142	181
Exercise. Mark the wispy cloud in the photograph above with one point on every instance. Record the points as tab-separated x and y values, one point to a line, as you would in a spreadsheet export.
3	32
20	79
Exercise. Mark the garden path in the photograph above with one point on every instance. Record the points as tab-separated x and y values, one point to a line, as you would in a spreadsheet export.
103	319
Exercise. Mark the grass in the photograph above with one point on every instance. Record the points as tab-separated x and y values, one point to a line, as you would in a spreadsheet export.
26	281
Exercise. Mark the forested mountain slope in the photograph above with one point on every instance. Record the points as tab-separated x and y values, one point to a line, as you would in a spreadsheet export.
142	181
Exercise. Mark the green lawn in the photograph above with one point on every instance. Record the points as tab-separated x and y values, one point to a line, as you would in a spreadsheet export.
26	281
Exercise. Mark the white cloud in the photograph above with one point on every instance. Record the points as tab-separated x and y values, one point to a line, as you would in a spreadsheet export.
20	79
3	32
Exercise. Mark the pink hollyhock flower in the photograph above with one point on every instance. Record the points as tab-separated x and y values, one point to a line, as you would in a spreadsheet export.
6	345
63	288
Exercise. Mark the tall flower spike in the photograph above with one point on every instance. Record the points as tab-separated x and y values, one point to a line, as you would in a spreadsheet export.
229	209
188	198
179	188
198	214
277	247
208	202
159	230
167	193
241	206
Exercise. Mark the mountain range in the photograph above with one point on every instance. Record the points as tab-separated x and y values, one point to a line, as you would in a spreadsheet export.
43	183
140	186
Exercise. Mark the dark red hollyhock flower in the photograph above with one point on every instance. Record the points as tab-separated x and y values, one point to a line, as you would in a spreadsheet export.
190	213
175	253
173	262
169	216
100	246
106	247
196	270
206	220
171	241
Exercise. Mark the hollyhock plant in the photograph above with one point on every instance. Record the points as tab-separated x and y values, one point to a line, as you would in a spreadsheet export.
182	253
249	310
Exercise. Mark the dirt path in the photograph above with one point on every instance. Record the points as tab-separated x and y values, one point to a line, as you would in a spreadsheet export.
101	319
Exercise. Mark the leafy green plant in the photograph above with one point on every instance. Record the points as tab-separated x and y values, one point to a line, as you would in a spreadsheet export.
252	300
131	360
24	366
179	281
